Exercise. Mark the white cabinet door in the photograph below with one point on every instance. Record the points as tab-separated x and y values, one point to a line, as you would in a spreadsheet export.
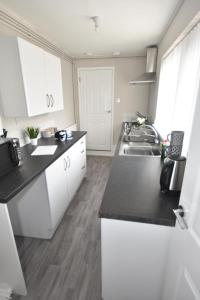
73	171
134	258
76	165
56	179
32	66
34	75
53	81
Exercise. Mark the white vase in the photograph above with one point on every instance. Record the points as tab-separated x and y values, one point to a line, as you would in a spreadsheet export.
34	142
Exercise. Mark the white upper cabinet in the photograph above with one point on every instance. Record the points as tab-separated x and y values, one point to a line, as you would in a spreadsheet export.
30	79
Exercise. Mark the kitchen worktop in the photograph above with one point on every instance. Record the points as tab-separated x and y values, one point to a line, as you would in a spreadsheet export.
133	192
32	166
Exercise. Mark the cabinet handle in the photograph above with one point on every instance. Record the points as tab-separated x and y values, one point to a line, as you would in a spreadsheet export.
48	100
67	161
82	142
82	151
52	100
83	167
65	164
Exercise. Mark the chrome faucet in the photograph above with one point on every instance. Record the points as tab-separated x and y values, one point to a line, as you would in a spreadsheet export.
141	116
156	140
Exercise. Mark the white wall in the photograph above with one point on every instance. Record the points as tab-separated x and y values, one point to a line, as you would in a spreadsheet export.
61	119
133	97
186	13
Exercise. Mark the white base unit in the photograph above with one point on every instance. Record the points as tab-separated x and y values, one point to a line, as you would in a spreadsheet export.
10	266
38	209
134	257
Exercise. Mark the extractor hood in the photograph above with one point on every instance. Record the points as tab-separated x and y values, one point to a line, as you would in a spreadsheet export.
150	75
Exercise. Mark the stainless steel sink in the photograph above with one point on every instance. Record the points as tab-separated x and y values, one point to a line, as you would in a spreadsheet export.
140	134
139	149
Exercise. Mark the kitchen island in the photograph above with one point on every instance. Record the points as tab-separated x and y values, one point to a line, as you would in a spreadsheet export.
136	225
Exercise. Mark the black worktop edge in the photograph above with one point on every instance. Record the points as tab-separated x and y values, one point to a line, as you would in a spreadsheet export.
144	220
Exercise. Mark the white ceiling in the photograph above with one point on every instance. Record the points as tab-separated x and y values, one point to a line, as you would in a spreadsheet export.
128	26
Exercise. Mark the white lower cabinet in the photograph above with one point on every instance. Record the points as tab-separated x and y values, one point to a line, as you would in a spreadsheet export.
134	258
38	209
57	188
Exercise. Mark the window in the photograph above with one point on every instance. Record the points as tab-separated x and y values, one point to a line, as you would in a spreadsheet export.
178	87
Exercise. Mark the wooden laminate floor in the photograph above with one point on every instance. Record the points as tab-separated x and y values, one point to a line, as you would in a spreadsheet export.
68	267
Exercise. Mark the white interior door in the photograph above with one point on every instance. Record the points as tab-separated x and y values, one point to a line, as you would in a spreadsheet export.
183	272
95	106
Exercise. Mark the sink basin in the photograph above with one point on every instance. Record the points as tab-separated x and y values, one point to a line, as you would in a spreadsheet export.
139	138
140	134
139	149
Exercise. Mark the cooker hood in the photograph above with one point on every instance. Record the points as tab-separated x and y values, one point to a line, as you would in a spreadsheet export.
150	75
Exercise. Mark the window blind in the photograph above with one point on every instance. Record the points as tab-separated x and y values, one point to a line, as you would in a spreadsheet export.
178	87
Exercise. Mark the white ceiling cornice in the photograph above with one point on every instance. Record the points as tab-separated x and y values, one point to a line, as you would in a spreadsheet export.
27	32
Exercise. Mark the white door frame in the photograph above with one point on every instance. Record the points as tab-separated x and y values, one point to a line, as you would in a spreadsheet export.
112	100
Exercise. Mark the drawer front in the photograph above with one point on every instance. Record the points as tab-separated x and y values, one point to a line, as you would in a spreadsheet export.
82	143
80	149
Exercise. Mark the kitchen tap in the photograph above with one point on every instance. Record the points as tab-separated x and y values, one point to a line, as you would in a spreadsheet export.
140	115
155	133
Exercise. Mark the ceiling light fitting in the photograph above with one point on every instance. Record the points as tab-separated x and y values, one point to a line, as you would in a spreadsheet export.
95	19
116	53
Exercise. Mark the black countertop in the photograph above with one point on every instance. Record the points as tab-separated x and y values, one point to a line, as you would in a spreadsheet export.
133	192
32	166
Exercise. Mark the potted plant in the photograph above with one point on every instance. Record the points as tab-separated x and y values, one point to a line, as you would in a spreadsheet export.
33	134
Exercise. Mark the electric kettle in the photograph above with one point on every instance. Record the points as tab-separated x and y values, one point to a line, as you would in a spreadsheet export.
171	177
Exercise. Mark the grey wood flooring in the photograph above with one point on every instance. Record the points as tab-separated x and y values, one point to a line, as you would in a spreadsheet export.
68	267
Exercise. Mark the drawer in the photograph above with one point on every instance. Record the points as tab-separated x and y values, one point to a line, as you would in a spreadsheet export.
82	142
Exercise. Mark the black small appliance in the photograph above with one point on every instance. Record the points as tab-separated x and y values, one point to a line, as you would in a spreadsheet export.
10	155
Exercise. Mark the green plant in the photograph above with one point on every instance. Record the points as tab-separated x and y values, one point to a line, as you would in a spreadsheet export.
32	132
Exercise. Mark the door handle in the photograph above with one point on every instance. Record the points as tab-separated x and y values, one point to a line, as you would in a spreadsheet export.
180	213
108	111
